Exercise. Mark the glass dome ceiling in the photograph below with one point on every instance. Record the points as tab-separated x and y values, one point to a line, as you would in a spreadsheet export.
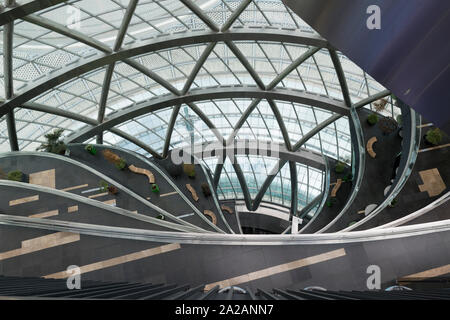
79	63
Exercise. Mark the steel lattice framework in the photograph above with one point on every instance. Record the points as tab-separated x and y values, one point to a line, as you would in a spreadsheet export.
145	74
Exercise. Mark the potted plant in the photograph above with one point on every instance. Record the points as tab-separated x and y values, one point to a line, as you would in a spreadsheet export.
105	187
54	143
121	164
434	136
155	188
191	175
189	169
17	175
340	167
91	149
372	119
206	190
113	158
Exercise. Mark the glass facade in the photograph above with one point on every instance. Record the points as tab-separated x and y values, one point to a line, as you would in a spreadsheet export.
54	40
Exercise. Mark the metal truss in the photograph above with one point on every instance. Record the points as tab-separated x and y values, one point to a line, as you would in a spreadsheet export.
109	57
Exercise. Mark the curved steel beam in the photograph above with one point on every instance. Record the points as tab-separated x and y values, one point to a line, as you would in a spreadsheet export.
241	57
8	33
25	8
87	64
227	239
221	92
323	196
80	37
172	121
200	14
235	15
253	147
369	100
78	117
294	189
341	77
295	64
198	65
70	33
110	69
279	118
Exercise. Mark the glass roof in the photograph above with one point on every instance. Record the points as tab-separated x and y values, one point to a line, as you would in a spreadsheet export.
49	41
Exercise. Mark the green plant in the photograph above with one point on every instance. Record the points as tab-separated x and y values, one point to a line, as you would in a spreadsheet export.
372	119
104	186
348	177
330	202
191	174
340	167
121	164
434	136
91	149
53	144
15	176
155	188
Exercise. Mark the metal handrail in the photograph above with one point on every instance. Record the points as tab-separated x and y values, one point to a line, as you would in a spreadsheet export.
227	239
360	152
324	196
105	178
161	172
405	174
96	204
213	193
435	204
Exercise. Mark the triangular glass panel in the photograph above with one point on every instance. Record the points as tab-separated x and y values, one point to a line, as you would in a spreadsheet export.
229	183
226	68
261	125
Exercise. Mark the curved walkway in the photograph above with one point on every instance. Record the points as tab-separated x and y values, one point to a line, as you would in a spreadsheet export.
127	155
105	178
